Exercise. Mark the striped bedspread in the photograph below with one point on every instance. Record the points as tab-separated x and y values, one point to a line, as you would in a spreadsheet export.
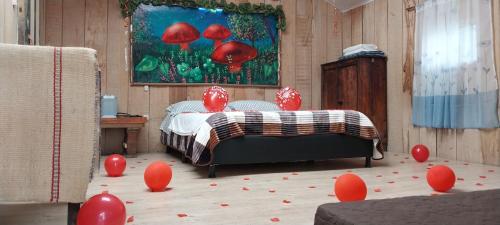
225	125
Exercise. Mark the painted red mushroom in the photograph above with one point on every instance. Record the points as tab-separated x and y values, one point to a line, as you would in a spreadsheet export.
233	54
217	33
180	33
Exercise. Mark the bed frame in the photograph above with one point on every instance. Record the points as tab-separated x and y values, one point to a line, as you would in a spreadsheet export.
250	149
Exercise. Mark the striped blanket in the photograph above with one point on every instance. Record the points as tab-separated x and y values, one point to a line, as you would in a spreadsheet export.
225	125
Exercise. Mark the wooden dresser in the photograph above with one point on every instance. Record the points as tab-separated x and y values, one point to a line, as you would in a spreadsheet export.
360	84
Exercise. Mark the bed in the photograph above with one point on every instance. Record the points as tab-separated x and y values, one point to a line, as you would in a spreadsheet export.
258	132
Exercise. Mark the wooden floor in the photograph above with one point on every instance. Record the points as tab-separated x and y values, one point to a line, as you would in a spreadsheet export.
286	193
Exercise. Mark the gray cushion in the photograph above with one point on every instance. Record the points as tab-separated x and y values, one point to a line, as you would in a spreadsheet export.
253	105
480	207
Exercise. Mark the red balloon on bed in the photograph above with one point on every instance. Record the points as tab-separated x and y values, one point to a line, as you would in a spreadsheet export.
288	99
215	99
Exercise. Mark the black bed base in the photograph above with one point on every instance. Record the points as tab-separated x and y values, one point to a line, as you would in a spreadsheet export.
251	149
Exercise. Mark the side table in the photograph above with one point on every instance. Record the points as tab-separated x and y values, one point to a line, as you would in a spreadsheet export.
132	126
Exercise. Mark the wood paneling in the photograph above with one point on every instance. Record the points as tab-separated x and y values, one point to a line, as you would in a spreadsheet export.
303	51
389	33
98	24
394	75
73	15
357	26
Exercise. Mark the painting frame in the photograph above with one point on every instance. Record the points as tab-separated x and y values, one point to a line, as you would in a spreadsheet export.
278	75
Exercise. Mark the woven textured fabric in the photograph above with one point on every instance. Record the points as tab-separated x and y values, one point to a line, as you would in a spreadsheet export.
49	113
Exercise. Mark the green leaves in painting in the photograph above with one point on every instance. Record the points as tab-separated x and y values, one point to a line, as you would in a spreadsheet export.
129	6
148	63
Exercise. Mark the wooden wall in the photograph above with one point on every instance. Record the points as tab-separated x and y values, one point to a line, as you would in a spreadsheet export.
313	37
383	23
8	22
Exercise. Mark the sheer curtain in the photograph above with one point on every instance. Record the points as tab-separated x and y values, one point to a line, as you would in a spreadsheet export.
455	83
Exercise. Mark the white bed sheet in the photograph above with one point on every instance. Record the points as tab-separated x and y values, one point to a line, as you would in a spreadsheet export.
184	123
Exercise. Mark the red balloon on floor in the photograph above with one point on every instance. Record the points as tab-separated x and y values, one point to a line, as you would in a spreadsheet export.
215	99
441	178
157	176
115	165
288	99
102	209
350	187
420	153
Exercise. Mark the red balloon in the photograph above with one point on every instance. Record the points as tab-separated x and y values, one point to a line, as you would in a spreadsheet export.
288	99
441	178
102	209
115	165
420	153
157	176
350	187
215	99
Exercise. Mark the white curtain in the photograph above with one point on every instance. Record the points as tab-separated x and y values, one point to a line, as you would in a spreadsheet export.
455	83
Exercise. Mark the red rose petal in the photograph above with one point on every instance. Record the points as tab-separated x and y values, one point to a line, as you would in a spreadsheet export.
213	184
395	172
129	202
224	205
286	201
483	177
414	177
491	171
377	190
246	178
285	178
312	187
379	175
272	190
182	215
295	173
459	178
104	185
130	219
275	219
479	184
245	189
390	182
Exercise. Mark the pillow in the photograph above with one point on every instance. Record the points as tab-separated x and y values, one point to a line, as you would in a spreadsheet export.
253	105
188	106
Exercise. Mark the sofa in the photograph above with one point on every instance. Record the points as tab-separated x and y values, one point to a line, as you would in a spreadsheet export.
49	124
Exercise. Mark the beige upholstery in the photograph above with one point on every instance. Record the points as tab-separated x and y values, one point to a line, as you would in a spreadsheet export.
49	111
